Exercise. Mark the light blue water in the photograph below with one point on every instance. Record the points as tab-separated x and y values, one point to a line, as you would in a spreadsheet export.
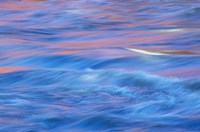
99	66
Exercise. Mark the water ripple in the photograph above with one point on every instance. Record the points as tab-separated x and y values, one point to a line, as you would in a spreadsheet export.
99	65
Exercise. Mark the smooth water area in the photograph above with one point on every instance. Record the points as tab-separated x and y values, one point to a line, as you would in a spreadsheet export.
99	66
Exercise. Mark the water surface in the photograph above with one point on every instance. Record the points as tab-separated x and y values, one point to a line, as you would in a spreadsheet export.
99	66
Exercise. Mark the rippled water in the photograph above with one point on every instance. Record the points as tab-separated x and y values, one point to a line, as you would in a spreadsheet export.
99	66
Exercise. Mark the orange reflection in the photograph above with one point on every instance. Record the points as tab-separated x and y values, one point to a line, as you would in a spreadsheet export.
7	69
66	52
15	6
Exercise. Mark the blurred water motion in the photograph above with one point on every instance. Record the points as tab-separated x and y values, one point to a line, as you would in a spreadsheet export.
99	65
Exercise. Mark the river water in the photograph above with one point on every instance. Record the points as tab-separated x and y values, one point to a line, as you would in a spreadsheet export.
99	66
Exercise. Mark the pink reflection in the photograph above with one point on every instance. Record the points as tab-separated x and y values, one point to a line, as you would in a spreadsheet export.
62	107
182	72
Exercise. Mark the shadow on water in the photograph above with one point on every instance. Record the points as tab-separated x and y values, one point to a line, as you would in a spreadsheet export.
99	65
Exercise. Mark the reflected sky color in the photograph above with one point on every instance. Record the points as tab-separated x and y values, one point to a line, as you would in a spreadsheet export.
99	66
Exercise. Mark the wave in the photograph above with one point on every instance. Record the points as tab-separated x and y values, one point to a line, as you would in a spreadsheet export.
100	99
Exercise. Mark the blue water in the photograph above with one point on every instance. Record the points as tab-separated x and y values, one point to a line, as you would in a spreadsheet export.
99	66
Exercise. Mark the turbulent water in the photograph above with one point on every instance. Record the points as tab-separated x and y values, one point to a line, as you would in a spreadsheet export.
99	66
